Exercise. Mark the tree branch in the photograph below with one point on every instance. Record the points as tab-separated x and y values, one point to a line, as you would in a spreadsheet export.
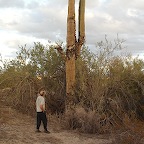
61	52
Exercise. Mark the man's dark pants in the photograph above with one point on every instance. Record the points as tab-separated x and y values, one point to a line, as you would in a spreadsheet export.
41	116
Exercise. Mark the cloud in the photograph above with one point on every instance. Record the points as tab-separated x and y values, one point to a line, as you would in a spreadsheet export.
11	3
27	21
42	22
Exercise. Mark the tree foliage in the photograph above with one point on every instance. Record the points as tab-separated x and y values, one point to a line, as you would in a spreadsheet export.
107	85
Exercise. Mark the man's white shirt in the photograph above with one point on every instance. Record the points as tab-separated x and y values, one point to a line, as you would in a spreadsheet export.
40	101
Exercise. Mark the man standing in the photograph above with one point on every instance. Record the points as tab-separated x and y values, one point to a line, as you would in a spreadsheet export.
41	111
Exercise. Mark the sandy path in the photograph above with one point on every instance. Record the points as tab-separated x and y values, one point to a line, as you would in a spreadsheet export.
17	128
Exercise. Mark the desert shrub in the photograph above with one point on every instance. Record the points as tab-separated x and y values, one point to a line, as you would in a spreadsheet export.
126	86
107	86
127	137
114	89
22	95
110	85
85	121
56	102
32	69
131	132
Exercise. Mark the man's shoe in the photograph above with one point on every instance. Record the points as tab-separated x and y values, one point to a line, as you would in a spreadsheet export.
38	130
46	131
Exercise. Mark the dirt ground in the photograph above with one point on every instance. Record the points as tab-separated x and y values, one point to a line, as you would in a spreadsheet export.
17	128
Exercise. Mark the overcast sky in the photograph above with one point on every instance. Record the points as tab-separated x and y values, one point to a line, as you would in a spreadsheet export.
27	21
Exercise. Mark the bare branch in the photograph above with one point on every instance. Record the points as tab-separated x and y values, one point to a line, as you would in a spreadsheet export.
60	51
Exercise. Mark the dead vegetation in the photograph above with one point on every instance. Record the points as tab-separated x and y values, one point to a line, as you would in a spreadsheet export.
109	91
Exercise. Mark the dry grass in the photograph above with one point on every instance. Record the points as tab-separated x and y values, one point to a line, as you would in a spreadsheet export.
85	121
131	133
127	137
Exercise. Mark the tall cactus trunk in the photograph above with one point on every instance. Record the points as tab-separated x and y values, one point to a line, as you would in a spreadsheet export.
81	27
70	52
73	46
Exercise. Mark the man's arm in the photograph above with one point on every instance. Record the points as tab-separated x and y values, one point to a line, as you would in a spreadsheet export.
42	107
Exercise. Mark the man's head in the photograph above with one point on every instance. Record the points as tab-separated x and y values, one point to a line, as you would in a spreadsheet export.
42	92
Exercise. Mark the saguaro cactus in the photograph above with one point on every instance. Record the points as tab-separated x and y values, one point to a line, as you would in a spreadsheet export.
73	44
